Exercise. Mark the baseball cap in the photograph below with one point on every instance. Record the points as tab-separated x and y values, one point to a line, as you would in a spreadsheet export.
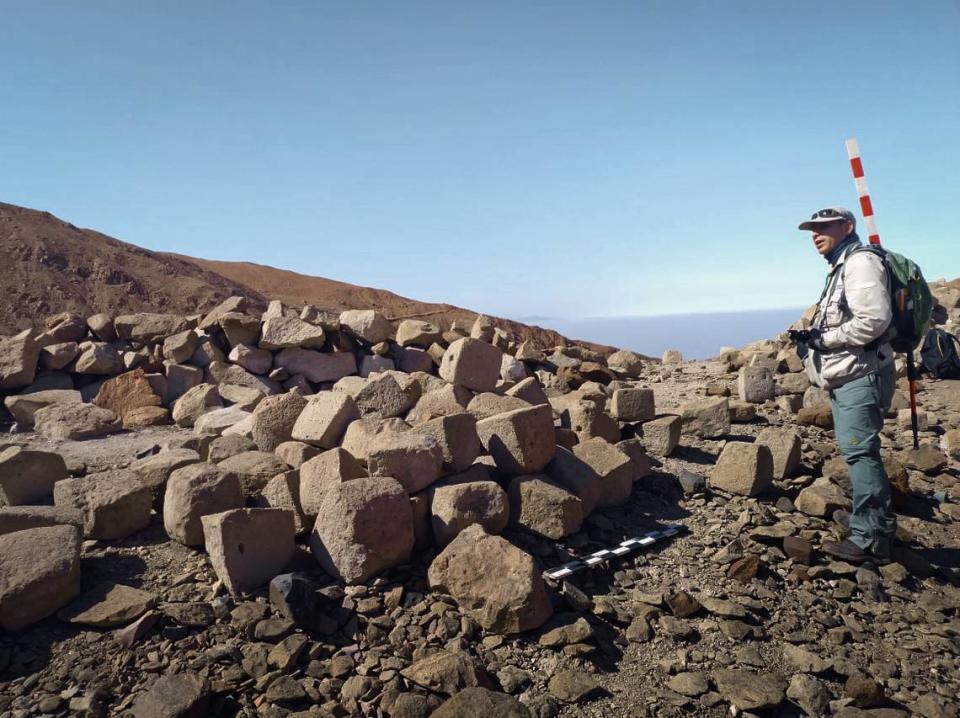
830	214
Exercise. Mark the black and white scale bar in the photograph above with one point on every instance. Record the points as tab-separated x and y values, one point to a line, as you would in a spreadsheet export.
625	547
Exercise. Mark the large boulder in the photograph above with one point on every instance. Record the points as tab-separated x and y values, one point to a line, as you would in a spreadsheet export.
64	327
28	477
254	469
457	437
248	547
366	324
413	459
253	359
283	492
193	492
323	471
220	373
479	702
75	421
195	403
24	406
125	394
273	420
381	396
626	362
19	356
149	328
175	695
325	418
226	419
544	507
97	358
821	499
529	390
179	348
18	518
743	468
316	366
286	332
114	503
472	364
615	469
520	441
487	404
364	527
458	505
54	357
39	574
415	332
588	421
443	401
493	581
155	470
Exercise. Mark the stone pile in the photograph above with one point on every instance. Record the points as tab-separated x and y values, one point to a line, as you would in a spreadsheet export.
359	512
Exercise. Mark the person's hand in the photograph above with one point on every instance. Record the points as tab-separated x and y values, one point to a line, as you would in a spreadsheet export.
811	338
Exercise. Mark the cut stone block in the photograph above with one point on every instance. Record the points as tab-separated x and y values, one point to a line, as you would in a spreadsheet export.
316	366
39	574
744	469
456	506
633	405
364	527
248	547
325	418
662	435
472	364
75	421
708	418
614	468
520	441
254	469
114	503
24	406
195	491
318	474
28	477
457	436
273	420
784	445
195	403
414	460
576	476
544	507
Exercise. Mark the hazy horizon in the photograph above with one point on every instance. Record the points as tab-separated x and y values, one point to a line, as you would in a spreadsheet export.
698	335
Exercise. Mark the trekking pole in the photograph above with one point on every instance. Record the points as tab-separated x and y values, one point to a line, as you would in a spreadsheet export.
853	152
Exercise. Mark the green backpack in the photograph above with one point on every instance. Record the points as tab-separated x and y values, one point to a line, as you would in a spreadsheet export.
912	301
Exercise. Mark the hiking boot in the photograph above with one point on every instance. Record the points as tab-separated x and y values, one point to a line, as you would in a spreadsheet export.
851	553
842	518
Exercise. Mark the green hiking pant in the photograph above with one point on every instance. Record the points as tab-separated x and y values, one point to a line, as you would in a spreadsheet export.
858	409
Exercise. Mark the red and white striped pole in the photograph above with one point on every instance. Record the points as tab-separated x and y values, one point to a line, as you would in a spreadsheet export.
853	152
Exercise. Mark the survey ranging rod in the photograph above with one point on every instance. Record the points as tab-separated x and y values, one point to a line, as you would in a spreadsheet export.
604	555
866	206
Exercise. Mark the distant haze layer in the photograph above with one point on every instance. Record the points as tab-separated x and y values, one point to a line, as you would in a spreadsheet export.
697	336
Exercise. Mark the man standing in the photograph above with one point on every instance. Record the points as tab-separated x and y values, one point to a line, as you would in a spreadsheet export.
845	352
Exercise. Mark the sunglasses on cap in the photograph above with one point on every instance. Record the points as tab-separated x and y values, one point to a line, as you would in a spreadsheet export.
828	214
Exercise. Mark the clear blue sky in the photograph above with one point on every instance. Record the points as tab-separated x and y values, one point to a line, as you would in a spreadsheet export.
560	158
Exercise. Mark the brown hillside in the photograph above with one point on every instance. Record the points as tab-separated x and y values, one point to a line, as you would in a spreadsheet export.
51	266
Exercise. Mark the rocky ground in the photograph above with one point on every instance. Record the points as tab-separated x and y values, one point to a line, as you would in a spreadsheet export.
740	614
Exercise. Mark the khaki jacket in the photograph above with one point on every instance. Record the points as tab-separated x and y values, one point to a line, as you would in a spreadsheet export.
854	312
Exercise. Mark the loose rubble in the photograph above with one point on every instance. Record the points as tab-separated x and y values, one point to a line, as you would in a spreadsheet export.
312	513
